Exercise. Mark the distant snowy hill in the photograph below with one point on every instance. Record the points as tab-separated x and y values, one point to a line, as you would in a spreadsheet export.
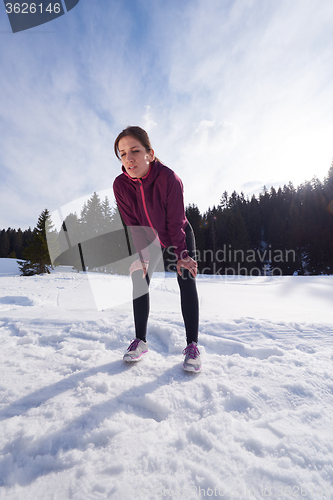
9	267
77	423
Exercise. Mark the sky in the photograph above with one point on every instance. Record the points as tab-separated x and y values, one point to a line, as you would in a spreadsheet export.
235	95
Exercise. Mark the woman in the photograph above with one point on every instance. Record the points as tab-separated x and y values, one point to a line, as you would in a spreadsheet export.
149	196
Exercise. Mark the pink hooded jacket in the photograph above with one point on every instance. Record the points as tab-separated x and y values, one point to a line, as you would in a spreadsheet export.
155	201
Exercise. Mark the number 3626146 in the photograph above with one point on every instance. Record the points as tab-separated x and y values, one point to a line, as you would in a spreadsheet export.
33	8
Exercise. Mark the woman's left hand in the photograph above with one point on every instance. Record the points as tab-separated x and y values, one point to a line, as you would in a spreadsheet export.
189	264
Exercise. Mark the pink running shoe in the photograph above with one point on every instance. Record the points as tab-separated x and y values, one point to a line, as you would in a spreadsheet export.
136	350
192	361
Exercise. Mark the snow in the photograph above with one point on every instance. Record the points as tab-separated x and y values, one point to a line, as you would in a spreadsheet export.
78	423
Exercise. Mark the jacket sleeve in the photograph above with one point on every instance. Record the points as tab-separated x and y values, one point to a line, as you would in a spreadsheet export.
138	234
176	218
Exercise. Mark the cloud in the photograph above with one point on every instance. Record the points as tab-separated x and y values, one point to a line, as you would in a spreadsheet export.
263	69
229	92
56	121
148	120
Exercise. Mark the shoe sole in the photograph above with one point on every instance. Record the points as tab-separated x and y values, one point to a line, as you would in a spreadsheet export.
191	369
128	359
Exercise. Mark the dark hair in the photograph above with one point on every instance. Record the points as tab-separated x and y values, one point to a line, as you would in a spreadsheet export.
136	132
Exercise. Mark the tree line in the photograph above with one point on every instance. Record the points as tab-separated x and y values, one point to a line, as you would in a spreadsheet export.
13	242
282	231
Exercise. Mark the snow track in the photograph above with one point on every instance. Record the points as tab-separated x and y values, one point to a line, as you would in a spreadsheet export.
78	423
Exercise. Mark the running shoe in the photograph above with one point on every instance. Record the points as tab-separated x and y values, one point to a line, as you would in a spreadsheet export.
192	361
136	350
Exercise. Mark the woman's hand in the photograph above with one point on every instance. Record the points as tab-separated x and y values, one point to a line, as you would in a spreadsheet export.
137	265
189	264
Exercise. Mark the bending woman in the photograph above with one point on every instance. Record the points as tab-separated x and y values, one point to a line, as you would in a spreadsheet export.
150	199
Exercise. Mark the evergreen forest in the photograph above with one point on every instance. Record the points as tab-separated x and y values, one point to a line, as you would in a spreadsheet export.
283	231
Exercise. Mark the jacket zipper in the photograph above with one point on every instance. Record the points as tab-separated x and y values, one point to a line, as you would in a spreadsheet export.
146	212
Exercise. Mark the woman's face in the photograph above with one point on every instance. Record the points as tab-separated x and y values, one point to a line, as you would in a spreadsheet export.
134	156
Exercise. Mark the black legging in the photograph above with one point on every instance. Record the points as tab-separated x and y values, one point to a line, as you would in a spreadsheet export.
188	293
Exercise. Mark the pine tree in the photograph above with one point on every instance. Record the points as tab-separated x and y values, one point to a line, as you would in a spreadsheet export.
195	219
36	254
92	217
253	223
67	241
17	243
4	244
107	215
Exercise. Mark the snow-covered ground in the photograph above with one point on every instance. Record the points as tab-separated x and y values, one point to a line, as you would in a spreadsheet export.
78	423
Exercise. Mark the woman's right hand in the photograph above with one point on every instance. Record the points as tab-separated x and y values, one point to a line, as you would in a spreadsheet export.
137	265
